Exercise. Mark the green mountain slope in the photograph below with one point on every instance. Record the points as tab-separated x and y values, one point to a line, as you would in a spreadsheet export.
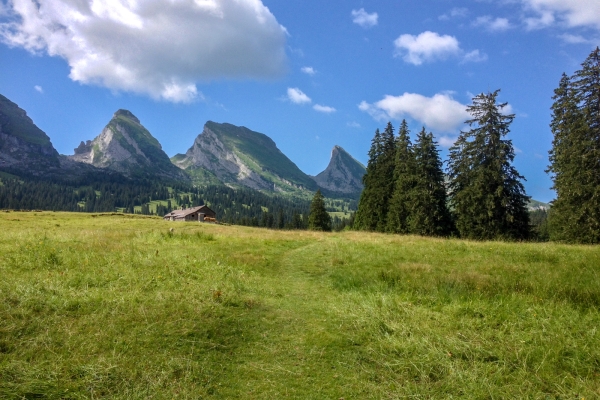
239	156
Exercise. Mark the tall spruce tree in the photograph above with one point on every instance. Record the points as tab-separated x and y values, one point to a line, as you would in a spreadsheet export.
404	182
429	214
318	217
486	192
575	155
365	219
385	177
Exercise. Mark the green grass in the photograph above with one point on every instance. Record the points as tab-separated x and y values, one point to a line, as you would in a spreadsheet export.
118	306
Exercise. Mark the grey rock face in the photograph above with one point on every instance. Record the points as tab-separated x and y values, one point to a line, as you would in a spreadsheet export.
125	146
23	146
343	174
209	152
238	156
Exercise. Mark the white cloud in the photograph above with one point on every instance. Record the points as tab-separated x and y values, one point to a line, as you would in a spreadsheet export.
493	24
572	13
430	46
308	70
426	47
440	112
160	48
324	109
353	124
297	96
455	12
474	56
39	89
364	19
447	141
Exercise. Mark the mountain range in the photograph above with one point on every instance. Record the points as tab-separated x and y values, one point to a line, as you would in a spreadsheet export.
221	154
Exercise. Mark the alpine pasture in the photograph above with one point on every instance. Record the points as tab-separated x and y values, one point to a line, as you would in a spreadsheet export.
119	306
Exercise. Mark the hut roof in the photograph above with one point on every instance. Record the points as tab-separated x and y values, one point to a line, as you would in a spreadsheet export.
187	211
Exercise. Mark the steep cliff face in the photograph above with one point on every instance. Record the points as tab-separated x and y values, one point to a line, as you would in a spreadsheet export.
23	146
343	174
125	146
236	155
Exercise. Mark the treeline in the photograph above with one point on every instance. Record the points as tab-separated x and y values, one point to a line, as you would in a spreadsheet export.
406	190
240	206
482	196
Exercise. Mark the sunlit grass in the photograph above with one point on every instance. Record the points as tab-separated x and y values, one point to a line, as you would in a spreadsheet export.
118	306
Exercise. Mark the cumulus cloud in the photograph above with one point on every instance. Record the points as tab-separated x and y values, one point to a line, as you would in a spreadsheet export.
38	88
308	70
364	19
572	13
297	96
493	24
324	109
439	112
160	48
430	46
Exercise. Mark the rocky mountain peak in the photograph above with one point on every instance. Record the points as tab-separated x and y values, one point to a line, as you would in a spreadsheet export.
127	114
23	146
125	146
343	174
236	155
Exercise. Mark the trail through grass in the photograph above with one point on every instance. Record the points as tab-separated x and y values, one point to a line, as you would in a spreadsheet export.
116	306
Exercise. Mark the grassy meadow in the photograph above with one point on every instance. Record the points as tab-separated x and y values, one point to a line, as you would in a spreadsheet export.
118	306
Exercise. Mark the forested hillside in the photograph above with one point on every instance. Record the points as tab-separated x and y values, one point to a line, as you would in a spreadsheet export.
240	206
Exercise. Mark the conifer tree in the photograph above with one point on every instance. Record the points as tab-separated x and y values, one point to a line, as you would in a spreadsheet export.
384	178
404	182
365	219
429	213
486	192
318	217
575	155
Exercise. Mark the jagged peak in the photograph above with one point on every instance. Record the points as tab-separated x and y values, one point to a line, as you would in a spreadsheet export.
127	114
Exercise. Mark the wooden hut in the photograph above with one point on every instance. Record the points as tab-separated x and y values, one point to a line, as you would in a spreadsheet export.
194	214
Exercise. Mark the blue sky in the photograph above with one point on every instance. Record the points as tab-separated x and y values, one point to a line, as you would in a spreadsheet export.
310	74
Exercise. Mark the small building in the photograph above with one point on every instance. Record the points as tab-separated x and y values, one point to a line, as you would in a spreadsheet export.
199	214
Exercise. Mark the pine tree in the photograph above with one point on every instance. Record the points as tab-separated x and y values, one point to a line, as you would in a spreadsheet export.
404	182
429	214
486	192
318	217
365	219
575	155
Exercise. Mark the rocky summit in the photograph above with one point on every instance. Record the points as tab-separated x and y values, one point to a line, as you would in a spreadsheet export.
343	175
239	156
125	146
23	146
